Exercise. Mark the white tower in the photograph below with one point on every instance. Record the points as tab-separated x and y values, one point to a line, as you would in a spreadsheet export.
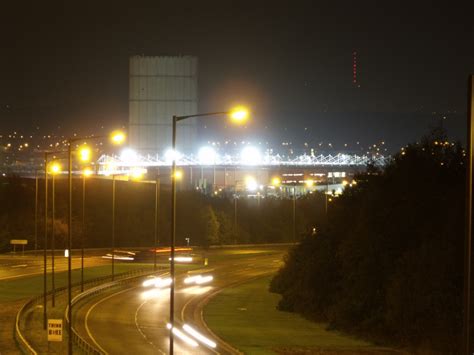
161	87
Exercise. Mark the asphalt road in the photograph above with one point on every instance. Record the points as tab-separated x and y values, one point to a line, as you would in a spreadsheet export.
18	265
132	322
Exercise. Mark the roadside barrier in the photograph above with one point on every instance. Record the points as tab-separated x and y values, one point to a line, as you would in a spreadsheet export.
79	341
94	286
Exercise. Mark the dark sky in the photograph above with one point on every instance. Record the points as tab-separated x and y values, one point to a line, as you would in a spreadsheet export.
65	65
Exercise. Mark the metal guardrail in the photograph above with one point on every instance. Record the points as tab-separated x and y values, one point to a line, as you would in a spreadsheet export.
79	341
23	344
21	340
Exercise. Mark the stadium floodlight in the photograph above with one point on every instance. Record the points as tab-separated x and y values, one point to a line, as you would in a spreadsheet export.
128	155
171	155
207	156
250	156
251	183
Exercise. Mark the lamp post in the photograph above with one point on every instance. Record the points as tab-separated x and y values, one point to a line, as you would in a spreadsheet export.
235	218
116	137
468	224
55	169
45	242
113	227
157	201
238	115
36	211
85	173
294	213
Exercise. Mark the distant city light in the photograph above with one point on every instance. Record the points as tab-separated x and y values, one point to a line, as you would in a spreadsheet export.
276	181
309	183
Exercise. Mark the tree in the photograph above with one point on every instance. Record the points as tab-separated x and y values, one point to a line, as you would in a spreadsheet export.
388	266
212	226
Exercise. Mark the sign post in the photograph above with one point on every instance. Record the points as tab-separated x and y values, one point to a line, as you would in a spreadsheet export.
55	330
21	242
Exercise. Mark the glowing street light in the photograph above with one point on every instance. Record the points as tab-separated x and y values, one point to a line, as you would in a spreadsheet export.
237	115
85	153
178	175
54	169
117	137
87	172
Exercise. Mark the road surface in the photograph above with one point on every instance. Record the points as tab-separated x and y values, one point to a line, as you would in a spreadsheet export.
134	322
14	266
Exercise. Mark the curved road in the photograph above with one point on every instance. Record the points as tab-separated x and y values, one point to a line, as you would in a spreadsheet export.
134	322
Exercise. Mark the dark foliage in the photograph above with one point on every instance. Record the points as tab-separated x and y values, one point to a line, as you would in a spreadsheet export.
204	219
389	265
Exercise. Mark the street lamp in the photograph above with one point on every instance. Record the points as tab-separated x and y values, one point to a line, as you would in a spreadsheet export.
85	173
294	213
155	234
45	246
36	210
117	137
45	242
54	169
178	176
237	115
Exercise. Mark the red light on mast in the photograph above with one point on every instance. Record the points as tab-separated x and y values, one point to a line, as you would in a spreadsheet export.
354	68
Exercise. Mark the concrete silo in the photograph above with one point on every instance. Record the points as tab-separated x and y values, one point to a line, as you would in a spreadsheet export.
161	87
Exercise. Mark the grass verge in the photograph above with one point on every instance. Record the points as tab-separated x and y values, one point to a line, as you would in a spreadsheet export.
31	286
246	317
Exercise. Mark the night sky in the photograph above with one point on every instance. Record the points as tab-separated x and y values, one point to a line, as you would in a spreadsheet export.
291	62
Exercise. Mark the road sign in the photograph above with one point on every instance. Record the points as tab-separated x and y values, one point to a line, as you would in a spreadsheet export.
18	241
55	330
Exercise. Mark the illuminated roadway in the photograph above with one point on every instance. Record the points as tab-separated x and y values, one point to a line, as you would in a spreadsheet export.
16	266
129	322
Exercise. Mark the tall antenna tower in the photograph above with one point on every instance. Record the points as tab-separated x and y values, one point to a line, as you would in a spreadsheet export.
354	69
